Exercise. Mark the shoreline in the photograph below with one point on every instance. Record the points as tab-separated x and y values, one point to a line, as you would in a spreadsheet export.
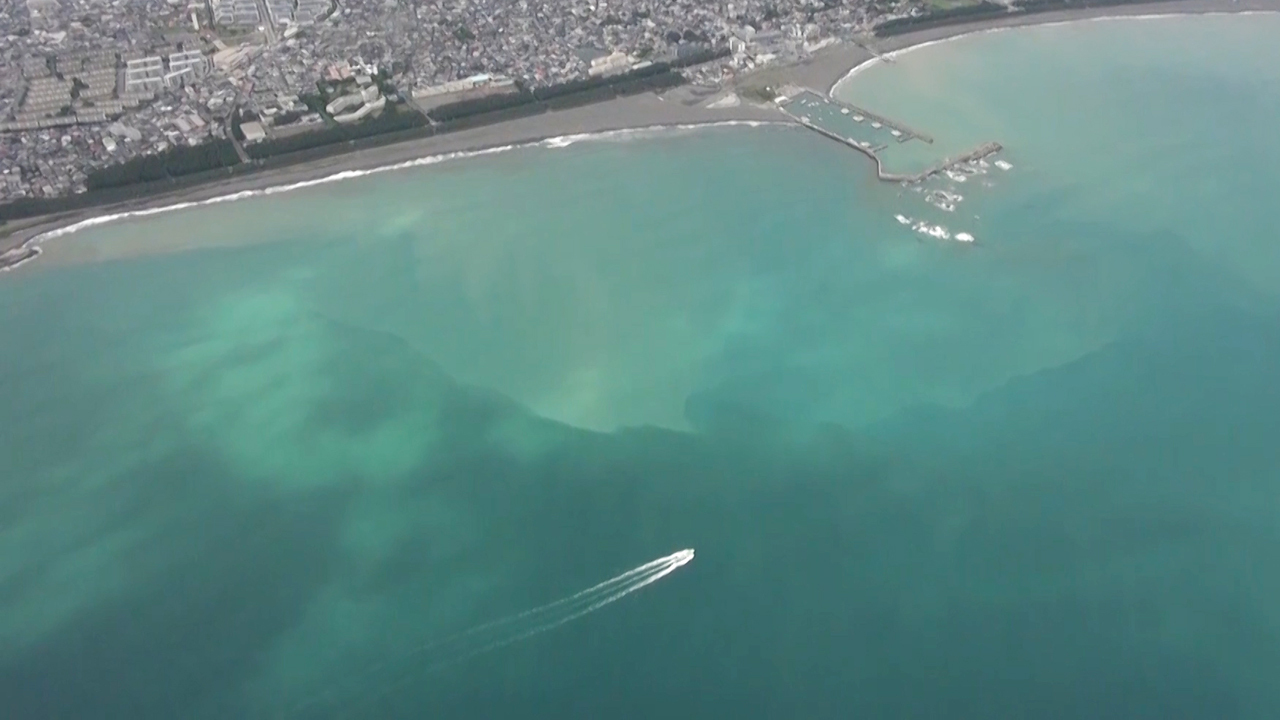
827	68
894	46
639	113
682	107
35	242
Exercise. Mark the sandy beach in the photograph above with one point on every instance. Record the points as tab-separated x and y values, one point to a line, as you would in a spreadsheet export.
829	66
681	106
677	107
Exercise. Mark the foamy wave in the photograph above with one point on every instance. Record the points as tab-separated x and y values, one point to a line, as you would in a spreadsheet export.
562	141
552	143
35	253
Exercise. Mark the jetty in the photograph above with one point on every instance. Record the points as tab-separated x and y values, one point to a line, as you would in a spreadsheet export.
901	133
977	153
983	150
907	132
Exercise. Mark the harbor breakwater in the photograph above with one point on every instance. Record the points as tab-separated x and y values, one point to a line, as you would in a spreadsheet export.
795	101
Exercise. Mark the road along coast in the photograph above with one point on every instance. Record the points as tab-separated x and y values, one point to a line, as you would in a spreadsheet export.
825	69
672	109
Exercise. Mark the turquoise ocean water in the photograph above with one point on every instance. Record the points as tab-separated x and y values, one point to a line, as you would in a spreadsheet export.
298	472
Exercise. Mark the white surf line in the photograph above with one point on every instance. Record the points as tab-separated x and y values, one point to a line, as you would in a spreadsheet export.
549	143
505	631
895	54
35	253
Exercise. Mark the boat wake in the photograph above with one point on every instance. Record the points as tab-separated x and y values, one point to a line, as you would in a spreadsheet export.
384	678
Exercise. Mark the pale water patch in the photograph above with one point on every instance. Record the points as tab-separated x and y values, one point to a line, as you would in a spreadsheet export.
253	378
668	284
682	276
248	475
1165	122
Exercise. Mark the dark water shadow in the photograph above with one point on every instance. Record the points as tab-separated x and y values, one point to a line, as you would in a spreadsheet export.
1036	555
1060	549
225	573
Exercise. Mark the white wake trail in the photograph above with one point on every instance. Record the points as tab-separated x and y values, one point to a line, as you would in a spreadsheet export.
556	614
499	633
663	565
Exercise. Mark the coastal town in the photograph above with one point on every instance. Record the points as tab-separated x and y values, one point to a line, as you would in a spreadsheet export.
86	84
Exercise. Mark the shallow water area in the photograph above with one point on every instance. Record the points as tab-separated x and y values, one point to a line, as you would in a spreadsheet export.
630	309
1166	121
443	440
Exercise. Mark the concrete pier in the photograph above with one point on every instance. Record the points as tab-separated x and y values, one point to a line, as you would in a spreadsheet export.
790	93
908	133
905	132
983	150
977	153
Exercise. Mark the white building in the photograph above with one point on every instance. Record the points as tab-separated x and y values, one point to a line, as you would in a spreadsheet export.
144	75
253	132
365	110
280	12
366	102
192	60
233	57
179	78
613	64
241	13
465	89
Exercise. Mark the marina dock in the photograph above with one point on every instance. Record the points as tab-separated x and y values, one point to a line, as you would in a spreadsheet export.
977	153
902	131
908	133
795	102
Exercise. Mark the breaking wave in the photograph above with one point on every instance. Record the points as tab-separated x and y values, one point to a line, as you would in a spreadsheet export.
551	143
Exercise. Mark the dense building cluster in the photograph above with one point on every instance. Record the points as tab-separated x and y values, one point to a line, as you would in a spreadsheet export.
88	83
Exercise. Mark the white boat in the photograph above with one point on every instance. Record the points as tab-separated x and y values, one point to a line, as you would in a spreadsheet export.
1004	165
942	196
964	237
